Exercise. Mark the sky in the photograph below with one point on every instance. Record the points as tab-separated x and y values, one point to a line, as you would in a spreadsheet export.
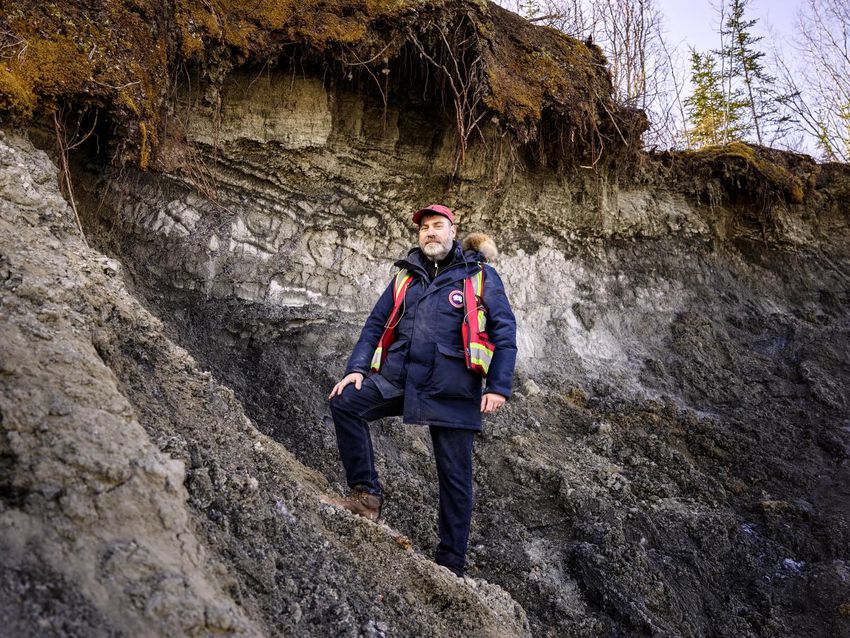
695	22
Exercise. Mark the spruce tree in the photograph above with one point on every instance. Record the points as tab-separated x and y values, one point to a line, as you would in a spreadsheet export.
706	106
749	87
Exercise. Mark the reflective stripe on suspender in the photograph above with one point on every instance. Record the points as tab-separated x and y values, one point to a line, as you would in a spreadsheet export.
477	346
402	281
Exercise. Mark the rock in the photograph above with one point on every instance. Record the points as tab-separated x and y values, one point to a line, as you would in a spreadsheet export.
601	427
110	266
530	388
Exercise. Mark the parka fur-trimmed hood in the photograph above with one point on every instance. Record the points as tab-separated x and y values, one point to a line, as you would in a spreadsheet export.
483	243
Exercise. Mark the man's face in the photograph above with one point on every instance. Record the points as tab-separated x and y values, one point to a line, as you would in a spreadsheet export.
435	236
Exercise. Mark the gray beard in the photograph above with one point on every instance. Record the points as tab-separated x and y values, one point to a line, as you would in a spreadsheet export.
436	254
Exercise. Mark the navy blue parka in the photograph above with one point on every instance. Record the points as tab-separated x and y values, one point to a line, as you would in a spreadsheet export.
426	361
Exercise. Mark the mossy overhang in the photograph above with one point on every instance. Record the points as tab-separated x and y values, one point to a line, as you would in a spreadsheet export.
123	57
745	172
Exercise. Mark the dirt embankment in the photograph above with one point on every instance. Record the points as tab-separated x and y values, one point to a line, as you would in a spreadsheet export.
121	61
681	388
136	497
674	462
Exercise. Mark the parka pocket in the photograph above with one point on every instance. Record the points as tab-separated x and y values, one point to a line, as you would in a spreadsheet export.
393	367
451	378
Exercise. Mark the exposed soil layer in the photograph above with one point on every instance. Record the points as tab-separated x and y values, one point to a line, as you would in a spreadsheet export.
138	499
600	511
122	60
675	459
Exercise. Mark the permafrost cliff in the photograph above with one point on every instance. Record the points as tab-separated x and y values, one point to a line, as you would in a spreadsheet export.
674	461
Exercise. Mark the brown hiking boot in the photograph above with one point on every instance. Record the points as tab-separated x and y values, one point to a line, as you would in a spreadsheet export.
361	503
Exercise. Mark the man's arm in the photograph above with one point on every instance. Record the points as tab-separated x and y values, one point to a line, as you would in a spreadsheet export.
361	357
501	329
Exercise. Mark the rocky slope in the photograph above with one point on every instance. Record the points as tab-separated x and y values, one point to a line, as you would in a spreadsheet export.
138	499
675	459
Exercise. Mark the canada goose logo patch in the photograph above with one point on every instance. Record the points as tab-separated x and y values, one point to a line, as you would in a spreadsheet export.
456	298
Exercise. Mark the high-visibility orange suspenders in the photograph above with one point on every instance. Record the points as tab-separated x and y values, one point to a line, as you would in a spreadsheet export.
476	345
402	281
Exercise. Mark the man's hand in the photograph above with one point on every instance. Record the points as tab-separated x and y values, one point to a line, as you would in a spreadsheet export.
354	377
491	402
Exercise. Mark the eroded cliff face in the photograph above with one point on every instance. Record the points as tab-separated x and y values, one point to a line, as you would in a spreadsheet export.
675	459
136	496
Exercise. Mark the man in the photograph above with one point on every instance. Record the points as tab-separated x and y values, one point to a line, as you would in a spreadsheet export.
423	374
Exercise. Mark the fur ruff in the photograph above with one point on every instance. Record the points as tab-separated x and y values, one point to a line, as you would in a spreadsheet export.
482	243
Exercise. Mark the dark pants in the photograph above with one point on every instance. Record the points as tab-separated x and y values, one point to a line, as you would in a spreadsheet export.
353	409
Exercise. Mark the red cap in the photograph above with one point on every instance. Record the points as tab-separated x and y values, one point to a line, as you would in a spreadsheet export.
434	209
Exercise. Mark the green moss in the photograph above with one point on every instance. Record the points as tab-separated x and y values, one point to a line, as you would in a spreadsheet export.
45	70
145	149
250	27
15	95
752	171
112	58
556	89
512	97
